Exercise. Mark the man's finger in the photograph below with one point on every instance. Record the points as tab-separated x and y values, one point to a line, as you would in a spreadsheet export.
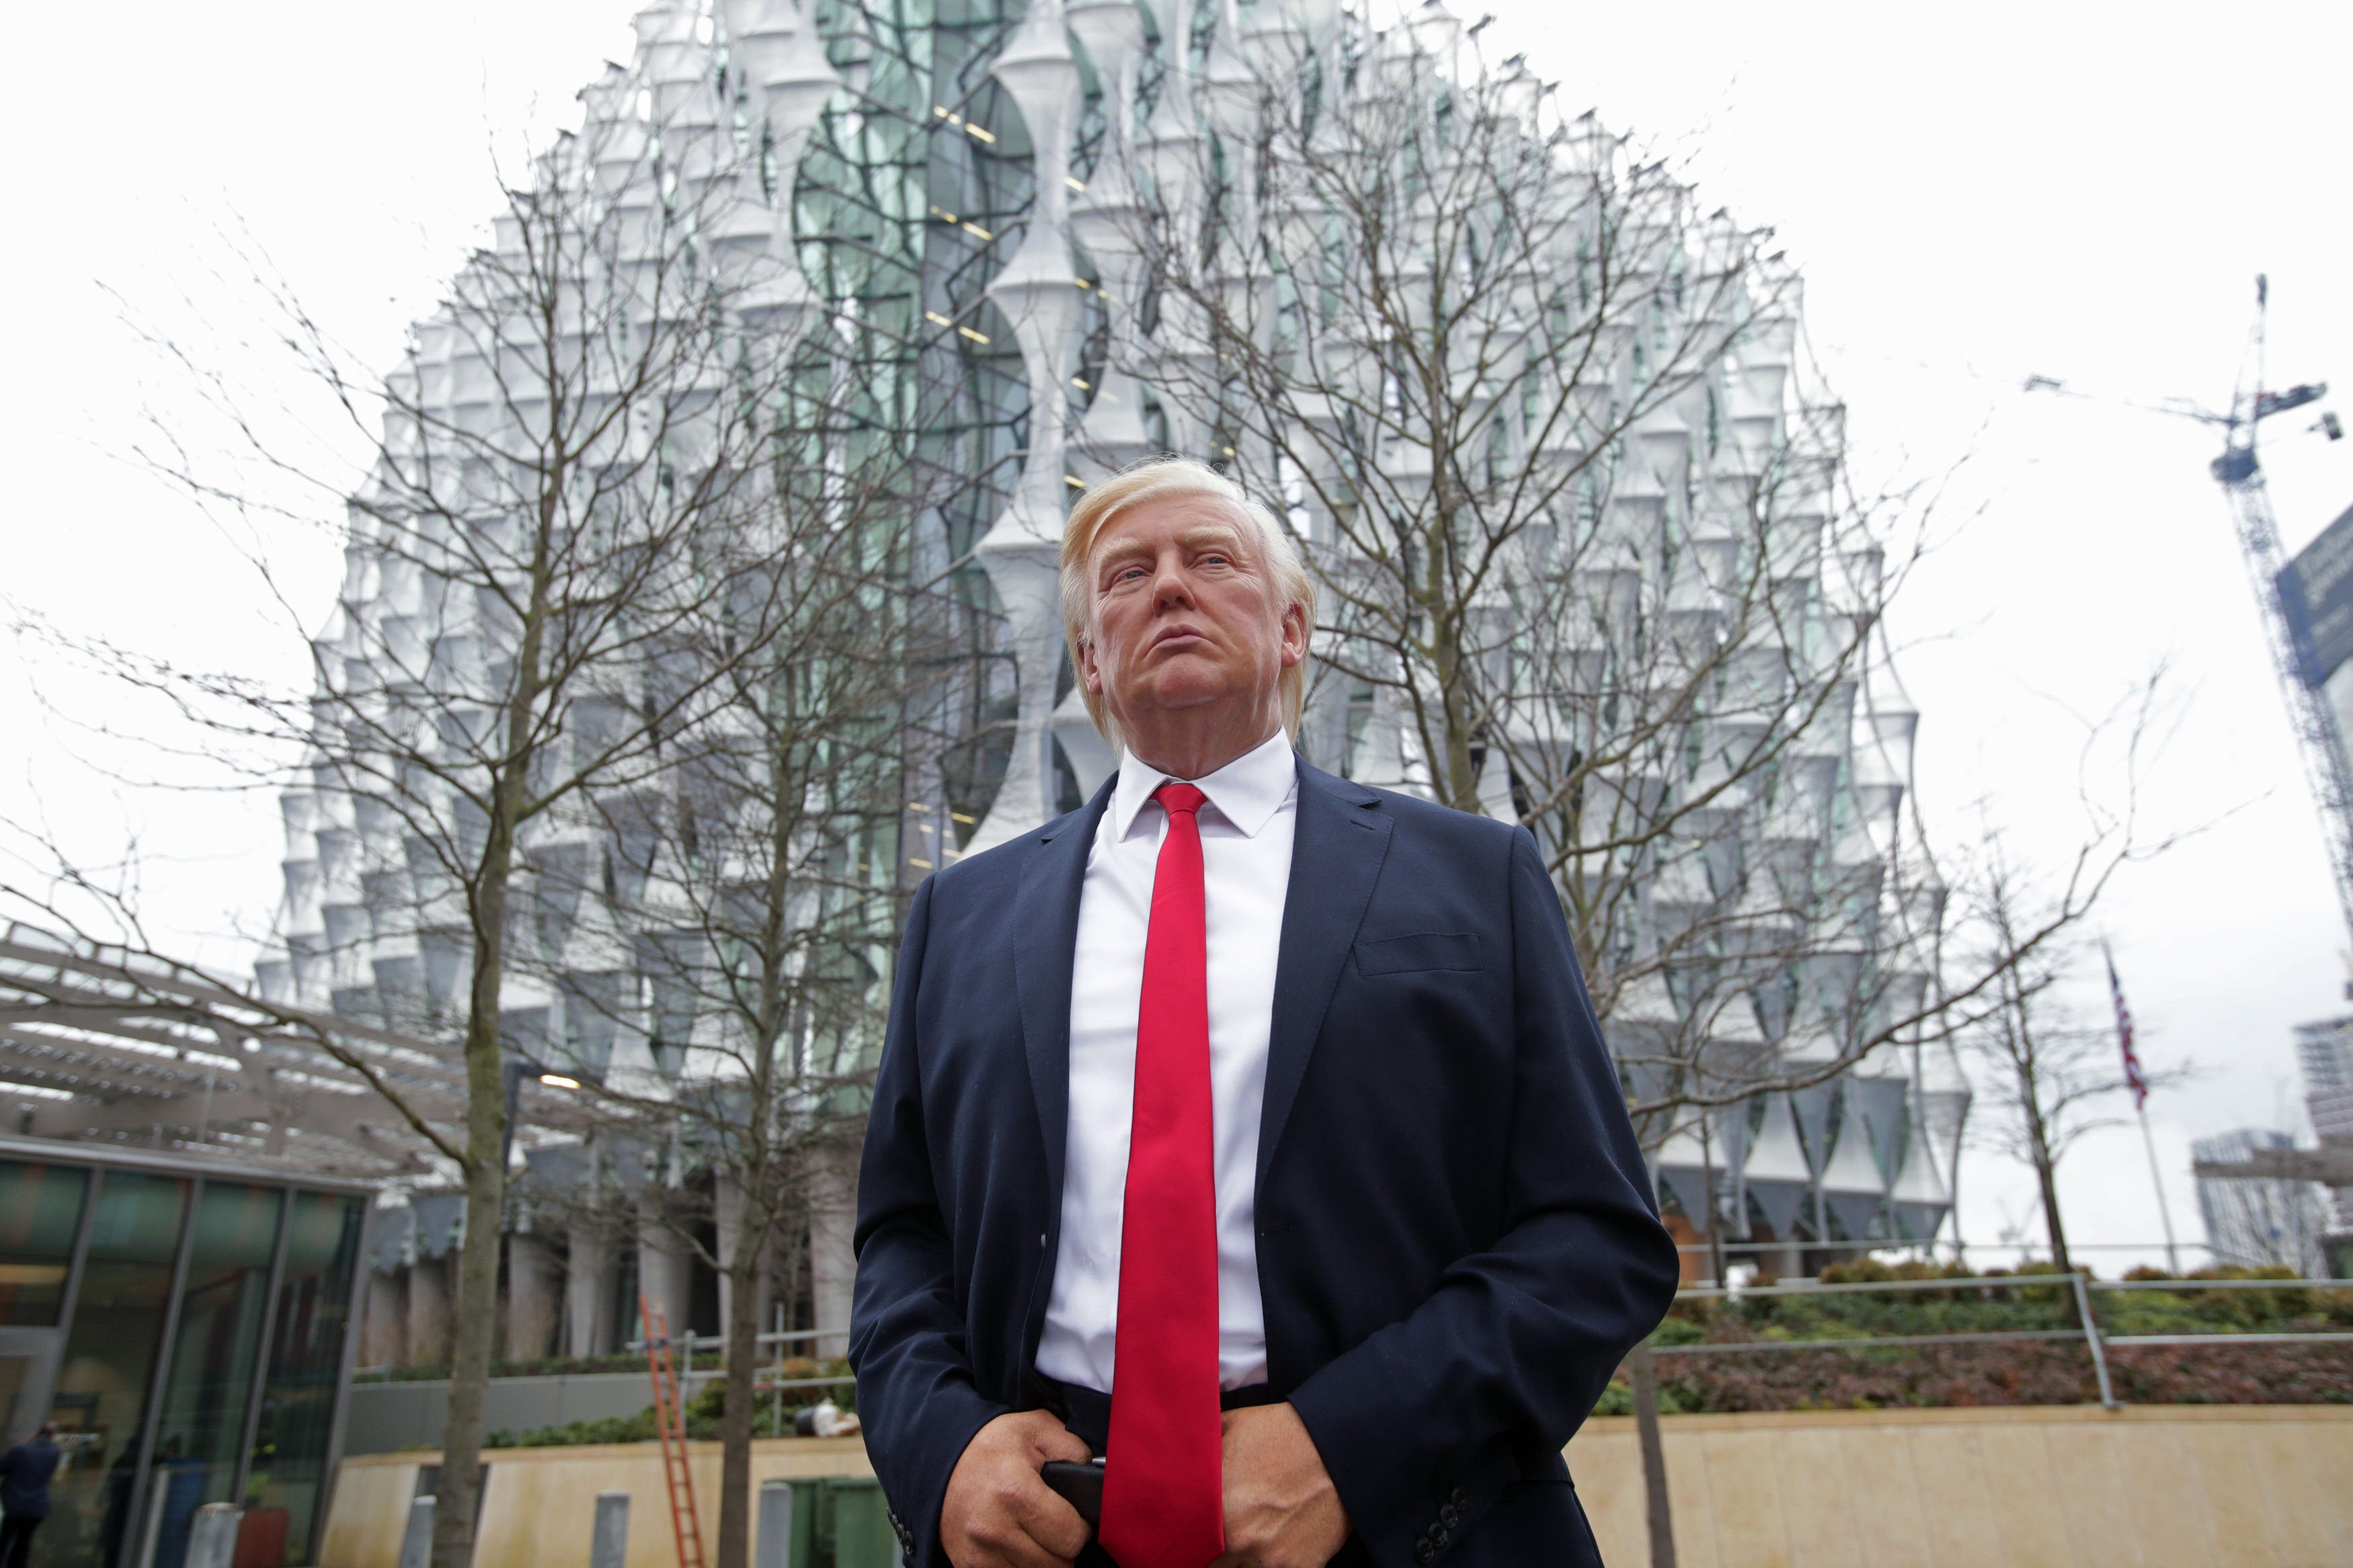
1050	1521
1061	1443
1013	1548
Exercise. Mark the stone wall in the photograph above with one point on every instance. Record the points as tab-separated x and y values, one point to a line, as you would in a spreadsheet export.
2070	1486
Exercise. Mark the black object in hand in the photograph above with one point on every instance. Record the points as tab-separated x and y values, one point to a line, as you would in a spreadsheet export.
1079	1485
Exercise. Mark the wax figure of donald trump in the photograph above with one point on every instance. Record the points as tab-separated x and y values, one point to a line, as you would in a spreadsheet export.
1247	1130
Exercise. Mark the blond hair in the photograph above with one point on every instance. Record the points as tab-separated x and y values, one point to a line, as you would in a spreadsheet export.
1164	478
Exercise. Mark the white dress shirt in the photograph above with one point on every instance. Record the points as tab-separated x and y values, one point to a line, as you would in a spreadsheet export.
1246	833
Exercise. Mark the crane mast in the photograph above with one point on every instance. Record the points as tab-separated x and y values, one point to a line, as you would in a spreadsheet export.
2320	743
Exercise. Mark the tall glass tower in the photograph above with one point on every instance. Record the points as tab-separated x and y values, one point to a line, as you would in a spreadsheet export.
967	190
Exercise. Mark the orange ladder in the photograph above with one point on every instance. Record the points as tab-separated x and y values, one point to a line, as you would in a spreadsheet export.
670	1426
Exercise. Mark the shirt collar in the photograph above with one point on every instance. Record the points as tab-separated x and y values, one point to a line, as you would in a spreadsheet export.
1246	792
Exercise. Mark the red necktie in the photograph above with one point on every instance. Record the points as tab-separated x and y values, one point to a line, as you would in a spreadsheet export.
1164	1494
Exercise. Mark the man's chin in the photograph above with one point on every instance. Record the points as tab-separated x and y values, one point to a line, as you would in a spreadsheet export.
1177	702
1185	694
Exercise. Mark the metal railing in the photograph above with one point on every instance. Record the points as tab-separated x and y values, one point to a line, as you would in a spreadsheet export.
687	1344
2078	1286
688	1376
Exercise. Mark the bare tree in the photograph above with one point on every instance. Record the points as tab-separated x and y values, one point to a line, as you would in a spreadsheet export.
2045	1076
1590	555
1590	550
749	896
572	554
1580	525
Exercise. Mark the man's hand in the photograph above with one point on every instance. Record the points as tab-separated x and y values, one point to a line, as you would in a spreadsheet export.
1282	1509
998	1513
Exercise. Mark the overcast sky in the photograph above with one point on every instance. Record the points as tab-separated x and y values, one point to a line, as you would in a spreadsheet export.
1974	195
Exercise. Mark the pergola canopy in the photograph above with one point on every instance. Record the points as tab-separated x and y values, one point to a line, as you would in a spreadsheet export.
102	1044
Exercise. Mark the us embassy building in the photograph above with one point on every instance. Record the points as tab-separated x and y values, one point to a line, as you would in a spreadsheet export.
1428	317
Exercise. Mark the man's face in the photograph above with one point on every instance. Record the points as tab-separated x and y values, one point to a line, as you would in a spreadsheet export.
1184	614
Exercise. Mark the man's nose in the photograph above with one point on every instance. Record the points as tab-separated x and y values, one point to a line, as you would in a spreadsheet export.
1171	587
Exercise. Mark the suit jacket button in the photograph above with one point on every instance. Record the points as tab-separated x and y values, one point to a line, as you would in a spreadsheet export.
1456	1499
1449	1516
1423	1551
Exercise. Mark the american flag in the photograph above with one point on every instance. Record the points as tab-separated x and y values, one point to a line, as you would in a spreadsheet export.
2133	1078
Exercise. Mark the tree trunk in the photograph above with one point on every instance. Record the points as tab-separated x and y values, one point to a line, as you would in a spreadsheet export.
735	1418
477	1307
2046	1175
2046	1164
460	1488
1654	1455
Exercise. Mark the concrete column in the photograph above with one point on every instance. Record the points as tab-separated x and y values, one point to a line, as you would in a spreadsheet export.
384	1337
665	1269
727	1220
833	1266
730	1216
429	1312
728	1203
588	1294
532	1304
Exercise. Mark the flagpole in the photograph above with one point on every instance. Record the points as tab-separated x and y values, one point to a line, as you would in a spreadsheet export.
2164	1209
2139	1084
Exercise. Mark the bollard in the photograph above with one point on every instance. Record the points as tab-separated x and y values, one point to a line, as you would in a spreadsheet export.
416	1544
772	1546
608	1543
212	1535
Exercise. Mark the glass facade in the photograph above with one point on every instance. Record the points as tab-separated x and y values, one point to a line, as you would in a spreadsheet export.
287	1474
912	193
185	1333
108	1373
210	1383
40	1210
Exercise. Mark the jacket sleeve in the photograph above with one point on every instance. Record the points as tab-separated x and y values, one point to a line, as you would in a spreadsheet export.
1424	1423
916	1398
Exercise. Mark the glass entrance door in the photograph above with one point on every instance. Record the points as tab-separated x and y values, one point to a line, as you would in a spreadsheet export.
28	1370
41	1213
16	1377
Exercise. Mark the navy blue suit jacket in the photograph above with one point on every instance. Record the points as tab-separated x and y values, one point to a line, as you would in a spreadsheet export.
1457	1240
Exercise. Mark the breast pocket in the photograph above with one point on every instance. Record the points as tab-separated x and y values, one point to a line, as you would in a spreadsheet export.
1420	954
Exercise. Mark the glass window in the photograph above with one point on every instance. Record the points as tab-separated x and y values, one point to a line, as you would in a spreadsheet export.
209	1386
109	1360
40	1206
298	1405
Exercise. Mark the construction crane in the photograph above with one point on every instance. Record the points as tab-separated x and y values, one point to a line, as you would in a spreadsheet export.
2319	740
2320	743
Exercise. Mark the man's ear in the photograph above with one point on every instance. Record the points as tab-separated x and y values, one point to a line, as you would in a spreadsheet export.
1294	635
1090	672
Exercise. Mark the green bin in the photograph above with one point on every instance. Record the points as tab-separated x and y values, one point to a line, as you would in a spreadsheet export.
841	1523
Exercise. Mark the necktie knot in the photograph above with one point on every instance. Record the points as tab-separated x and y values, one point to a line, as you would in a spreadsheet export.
1174	797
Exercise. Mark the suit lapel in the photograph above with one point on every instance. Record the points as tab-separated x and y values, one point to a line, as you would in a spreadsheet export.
1045	942
1340	839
